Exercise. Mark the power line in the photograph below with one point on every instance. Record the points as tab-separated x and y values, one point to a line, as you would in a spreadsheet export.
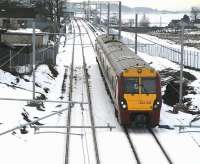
18	53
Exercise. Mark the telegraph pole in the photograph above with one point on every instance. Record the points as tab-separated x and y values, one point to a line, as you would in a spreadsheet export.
181	65
33	58
136	26
160	21
89	12
100	13
10	63
120	19
108	17
180	105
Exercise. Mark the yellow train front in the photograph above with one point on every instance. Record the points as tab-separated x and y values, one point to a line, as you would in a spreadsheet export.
133	84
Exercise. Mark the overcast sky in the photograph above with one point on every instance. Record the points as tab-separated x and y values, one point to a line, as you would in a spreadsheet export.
161	4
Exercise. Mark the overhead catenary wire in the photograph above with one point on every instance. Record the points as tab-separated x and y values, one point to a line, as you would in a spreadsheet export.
32	122
4	57
10	58
158	44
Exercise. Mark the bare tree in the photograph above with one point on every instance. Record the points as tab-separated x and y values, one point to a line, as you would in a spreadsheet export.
144	22
195	11
54	8
131	22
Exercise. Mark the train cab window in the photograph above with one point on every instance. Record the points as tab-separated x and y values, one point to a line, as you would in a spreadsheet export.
131	85
148	85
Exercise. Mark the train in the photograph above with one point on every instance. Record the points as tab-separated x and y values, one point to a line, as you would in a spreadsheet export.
134	86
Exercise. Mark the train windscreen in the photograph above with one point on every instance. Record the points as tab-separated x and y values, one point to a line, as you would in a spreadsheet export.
131	85
148	85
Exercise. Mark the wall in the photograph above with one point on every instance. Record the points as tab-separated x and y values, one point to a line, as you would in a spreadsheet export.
41	40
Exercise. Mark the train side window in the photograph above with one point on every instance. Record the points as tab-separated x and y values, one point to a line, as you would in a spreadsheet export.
113	84
107	69
99	52
110	76
104	63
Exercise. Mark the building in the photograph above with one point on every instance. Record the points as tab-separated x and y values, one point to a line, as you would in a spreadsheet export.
19	37
22	17
196	23
13	18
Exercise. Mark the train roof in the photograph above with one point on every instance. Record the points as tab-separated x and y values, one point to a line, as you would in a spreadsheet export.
119	55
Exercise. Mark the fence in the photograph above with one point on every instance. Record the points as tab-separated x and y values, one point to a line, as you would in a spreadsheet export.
22	63
191	58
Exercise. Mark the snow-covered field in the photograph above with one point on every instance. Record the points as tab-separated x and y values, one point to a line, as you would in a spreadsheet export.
155	19
49	148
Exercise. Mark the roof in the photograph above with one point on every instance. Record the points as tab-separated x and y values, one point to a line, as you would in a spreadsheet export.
119	55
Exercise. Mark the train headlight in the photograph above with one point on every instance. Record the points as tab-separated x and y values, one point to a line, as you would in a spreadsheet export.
123	104
157	104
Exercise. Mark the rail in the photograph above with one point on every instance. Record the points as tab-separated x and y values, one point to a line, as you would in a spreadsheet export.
132	146
160	145
89	102
70	99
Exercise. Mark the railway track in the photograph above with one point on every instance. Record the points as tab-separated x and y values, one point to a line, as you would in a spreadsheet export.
70	99
125	129
86	76
89	34
150	131
160	145
79	72
136	153
132	146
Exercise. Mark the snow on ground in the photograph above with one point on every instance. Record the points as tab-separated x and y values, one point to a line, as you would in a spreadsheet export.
152	152
26	30
166	119
148	39
183	148
31	148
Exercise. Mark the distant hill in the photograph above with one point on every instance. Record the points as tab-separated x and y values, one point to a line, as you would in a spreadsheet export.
144	10
115	8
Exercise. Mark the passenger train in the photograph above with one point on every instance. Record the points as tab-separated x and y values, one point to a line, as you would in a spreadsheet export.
133	84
